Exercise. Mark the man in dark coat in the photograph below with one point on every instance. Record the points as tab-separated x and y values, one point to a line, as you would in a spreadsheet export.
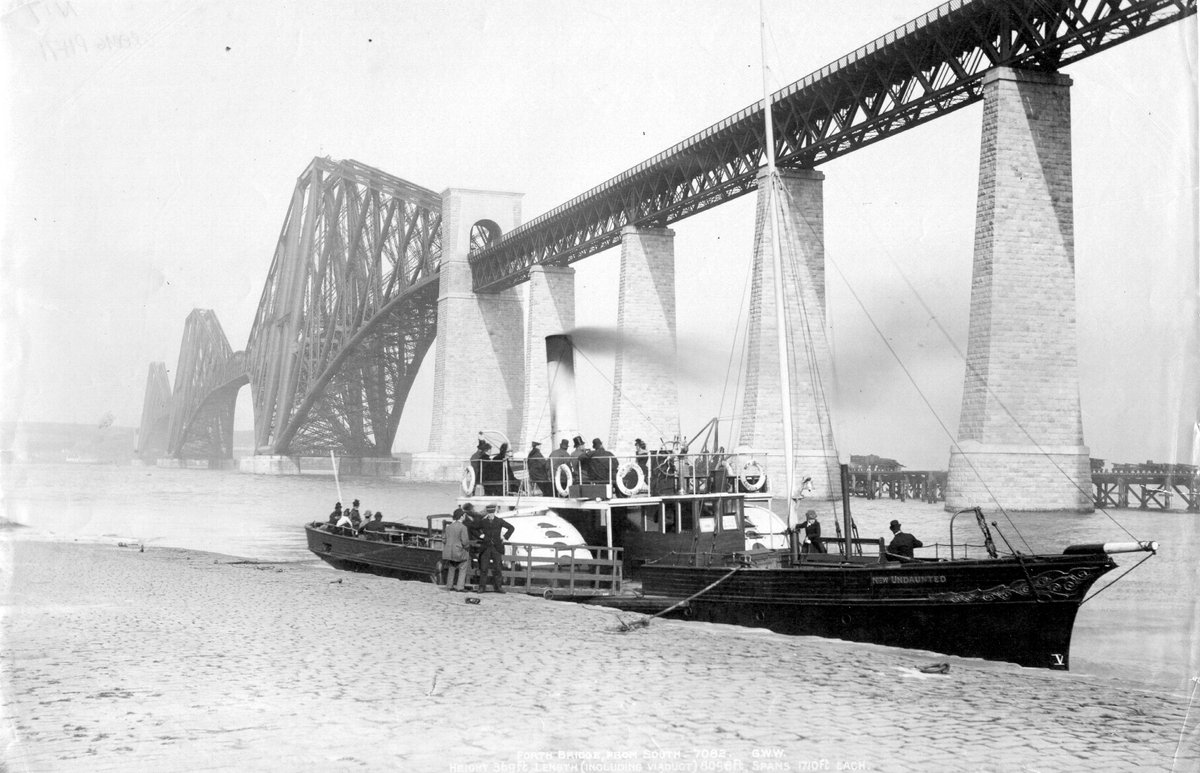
539	470
336	514
579	453
494	530
558	457
902	543
479	459
375	525
601	464
812	533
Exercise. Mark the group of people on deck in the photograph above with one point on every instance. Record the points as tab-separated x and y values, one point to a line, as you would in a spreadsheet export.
900	548
663	472
350	518
475	536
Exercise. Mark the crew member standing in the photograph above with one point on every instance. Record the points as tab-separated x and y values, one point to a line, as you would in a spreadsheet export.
494	530
812	533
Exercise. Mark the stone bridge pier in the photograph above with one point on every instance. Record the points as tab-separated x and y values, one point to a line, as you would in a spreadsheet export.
479	364
1020	435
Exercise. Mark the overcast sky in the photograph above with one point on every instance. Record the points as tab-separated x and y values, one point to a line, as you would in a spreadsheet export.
153	148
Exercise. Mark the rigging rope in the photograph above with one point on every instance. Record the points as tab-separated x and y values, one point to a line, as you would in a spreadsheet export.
971	370
787	201
740	347
636	407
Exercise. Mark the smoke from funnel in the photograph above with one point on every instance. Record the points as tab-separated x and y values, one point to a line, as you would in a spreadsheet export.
560	367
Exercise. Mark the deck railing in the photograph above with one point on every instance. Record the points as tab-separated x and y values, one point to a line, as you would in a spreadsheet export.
562	570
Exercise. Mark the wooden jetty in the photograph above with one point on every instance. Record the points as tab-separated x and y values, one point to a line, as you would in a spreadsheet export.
1148	486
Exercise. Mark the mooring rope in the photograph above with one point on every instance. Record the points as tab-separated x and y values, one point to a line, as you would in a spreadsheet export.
645	621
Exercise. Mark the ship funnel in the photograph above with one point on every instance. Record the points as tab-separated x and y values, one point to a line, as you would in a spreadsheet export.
560	367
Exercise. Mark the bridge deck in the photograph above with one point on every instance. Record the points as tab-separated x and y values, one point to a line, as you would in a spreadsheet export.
932	65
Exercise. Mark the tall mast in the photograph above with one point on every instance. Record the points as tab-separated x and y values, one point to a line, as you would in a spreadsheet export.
785	375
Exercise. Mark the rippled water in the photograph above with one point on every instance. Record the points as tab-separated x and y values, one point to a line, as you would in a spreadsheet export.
1144	628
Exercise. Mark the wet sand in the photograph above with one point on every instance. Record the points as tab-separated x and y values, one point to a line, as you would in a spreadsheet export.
116	659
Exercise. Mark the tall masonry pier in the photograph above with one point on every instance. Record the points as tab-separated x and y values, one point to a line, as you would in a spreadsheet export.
1020	434
645	401
478	381
800	204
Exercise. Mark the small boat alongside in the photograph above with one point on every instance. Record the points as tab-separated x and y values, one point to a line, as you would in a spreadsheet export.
546	555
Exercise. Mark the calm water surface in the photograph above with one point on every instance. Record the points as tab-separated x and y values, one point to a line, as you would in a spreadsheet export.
1144	629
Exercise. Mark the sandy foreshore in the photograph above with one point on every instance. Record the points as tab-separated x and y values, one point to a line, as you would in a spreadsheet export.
163	660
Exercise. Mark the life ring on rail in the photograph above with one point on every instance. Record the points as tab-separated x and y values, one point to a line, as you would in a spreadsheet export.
563	479
638	483
468	481
752	470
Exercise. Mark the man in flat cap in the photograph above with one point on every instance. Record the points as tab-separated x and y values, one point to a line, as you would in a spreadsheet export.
494	530
812	533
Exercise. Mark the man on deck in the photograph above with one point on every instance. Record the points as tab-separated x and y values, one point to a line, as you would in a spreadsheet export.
559	457
812	533
539	470
902	543
601	464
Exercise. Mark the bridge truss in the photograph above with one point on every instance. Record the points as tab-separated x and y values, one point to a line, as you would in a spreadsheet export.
156	414
207	381
933	65
348	312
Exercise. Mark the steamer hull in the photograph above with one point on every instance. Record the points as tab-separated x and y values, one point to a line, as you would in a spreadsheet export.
982	608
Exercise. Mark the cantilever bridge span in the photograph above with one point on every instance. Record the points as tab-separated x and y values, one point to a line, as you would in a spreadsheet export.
350	305
346	316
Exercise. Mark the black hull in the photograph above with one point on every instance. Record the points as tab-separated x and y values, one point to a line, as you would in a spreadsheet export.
980	609
361	554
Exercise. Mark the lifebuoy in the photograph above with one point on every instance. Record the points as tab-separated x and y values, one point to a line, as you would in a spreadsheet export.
752	469
563	479
638	484
468	481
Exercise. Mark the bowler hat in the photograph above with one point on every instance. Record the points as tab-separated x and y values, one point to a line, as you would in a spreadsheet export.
894	525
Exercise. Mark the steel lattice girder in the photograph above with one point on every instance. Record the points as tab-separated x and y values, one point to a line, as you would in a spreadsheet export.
356	253
206	385
931	66
358	409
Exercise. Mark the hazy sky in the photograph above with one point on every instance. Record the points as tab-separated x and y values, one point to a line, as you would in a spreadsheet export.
153	148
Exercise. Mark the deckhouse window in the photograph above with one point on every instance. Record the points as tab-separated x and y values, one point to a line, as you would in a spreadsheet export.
729	514
687	516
